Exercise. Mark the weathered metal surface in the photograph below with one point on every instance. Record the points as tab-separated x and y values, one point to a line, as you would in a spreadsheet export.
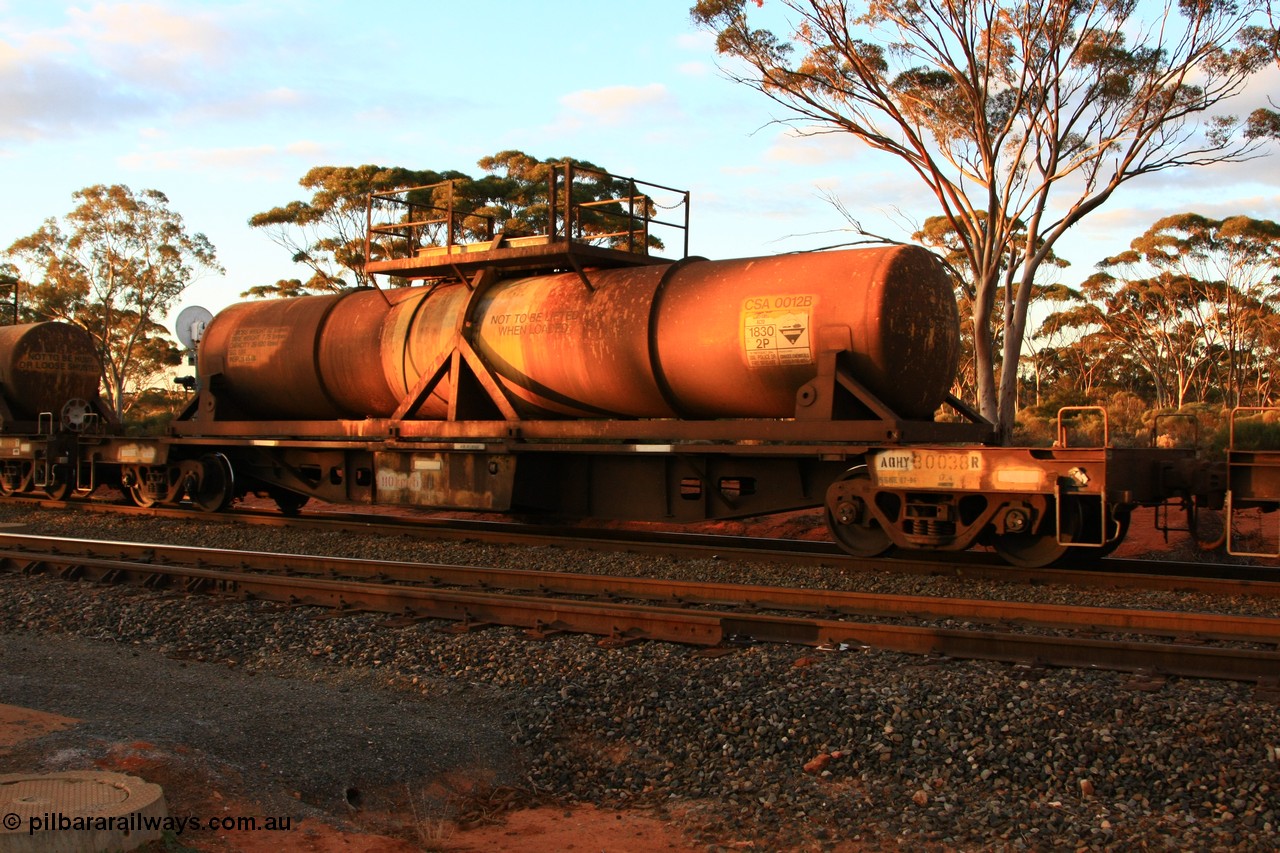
947	497
559	348
1253	483
131	451
462	480
1255	475
419	332
1234	580
784	437
990	469
422	232
1253	461
1224	627
350	354
263	356
698	339
45	365
738	338
17	448
312	357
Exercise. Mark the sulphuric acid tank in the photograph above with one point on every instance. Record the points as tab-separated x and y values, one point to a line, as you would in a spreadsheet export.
43	366
693	339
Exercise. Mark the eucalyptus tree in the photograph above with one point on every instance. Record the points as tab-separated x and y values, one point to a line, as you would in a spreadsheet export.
1020	118
1078	350
326	233
114	265
1237	258
1164	325
939	233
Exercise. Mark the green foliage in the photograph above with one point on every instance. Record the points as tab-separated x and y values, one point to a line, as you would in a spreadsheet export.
1260	431
114	265
1190	425
1038	427
282	289
327	233
152	410
1130	423
1190	306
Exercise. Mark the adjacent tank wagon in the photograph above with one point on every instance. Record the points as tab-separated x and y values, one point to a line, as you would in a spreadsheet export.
49	374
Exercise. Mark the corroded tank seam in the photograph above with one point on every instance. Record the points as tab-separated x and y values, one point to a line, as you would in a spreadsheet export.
510	373
406	341
316	343
655	309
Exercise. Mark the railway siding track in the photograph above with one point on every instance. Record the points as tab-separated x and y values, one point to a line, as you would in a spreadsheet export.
702	614
1208	578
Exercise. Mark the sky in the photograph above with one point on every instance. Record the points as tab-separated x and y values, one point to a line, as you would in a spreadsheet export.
223	106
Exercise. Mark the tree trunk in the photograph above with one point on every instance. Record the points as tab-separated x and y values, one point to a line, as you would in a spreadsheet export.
1015	324
984	370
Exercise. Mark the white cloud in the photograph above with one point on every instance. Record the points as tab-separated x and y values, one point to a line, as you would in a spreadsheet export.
239	106
245	161
149	42
809	149
103	66
42	99
615	105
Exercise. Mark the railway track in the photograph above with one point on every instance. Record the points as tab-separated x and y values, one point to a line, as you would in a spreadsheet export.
1110	573
710	615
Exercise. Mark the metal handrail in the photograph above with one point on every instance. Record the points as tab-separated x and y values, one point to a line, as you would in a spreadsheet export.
632	219
1231	421
1063	440
410	229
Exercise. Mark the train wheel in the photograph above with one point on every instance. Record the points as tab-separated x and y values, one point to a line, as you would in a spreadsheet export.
134	488
852	525
217	484
289	502
1037	550
1117	522
138	496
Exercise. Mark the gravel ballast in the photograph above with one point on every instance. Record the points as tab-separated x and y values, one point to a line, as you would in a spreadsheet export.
785	746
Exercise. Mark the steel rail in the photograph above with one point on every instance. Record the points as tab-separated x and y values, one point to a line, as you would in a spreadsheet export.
627	621
1111	573
1194	625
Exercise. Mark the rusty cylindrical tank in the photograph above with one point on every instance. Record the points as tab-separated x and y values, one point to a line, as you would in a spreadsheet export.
45	365
314	357
740	337
695	339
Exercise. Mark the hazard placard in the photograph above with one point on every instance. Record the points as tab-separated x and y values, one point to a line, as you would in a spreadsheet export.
775	330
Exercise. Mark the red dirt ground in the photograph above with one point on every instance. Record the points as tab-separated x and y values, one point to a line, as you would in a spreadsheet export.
188	791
